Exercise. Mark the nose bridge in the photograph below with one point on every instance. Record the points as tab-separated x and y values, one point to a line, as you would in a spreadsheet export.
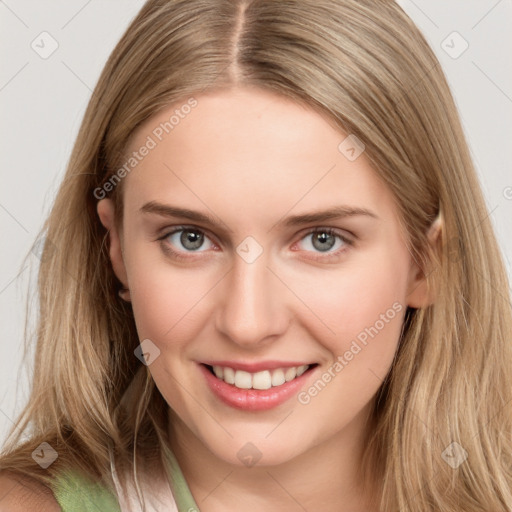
251	311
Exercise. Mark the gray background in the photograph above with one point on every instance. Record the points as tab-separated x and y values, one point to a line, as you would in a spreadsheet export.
42	102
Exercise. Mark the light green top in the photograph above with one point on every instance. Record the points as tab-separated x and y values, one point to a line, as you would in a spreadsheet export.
76	493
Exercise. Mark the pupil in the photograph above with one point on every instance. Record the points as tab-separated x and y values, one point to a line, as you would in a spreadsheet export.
326	241
191	239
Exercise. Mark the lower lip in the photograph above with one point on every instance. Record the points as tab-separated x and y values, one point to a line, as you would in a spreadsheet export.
253	399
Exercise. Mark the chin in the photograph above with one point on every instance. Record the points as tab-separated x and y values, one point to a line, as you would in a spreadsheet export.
256	451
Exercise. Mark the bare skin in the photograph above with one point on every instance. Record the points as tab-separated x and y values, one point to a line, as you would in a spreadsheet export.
250	159
20	493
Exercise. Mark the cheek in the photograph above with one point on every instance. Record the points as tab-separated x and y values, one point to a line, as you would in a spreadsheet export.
168	301
165	302
363	306
169	309
365	310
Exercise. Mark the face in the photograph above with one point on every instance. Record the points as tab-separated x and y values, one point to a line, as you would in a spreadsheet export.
232	263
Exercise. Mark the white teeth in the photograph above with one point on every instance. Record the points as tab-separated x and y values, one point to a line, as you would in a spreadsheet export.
301	369
259	380
262	380
278	377
290	374
243	379
229	375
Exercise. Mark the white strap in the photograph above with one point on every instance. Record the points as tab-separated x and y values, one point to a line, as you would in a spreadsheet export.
156	493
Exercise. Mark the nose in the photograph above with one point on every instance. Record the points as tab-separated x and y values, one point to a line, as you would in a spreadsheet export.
252	310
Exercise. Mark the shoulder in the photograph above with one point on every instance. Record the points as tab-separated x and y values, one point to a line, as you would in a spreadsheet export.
20	493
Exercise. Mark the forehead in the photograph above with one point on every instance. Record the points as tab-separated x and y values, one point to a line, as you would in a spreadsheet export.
249	151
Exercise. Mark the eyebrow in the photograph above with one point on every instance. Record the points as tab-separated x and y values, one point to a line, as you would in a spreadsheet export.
338	212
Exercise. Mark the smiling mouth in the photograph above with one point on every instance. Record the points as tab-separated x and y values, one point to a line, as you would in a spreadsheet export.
262	380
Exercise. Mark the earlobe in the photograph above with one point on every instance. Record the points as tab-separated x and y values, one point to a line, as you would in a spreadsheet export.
434	231
421	294
106	213
105	209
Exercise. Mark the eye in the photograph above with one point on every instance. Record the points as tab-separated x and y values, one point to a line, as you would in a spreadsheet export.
183	241
186	239
326	241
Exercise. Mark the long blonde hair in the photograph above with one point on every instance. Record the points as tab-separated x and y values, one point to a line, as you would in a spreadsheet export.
367	66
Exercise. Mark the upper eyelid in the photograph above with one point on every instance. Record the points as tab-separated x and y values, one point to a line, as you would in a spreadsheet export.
350	238
183	227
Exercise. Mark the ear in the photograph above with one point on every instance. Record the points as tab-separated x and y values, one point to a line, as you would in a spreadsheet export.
105	209
419	294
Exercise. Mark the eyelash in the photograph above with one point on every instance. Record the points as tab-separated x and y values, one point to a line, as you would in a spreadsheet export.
328	256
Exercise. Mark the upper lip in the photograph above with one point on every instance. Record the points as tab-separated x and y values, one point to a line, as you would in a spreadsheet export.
256	366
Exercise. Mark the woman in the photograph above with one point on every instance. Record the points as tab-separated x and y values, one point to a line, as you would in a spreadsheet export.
272	282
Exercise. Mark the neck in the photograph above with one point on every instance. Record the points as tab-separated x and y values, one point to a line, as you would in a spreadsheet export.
325	477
